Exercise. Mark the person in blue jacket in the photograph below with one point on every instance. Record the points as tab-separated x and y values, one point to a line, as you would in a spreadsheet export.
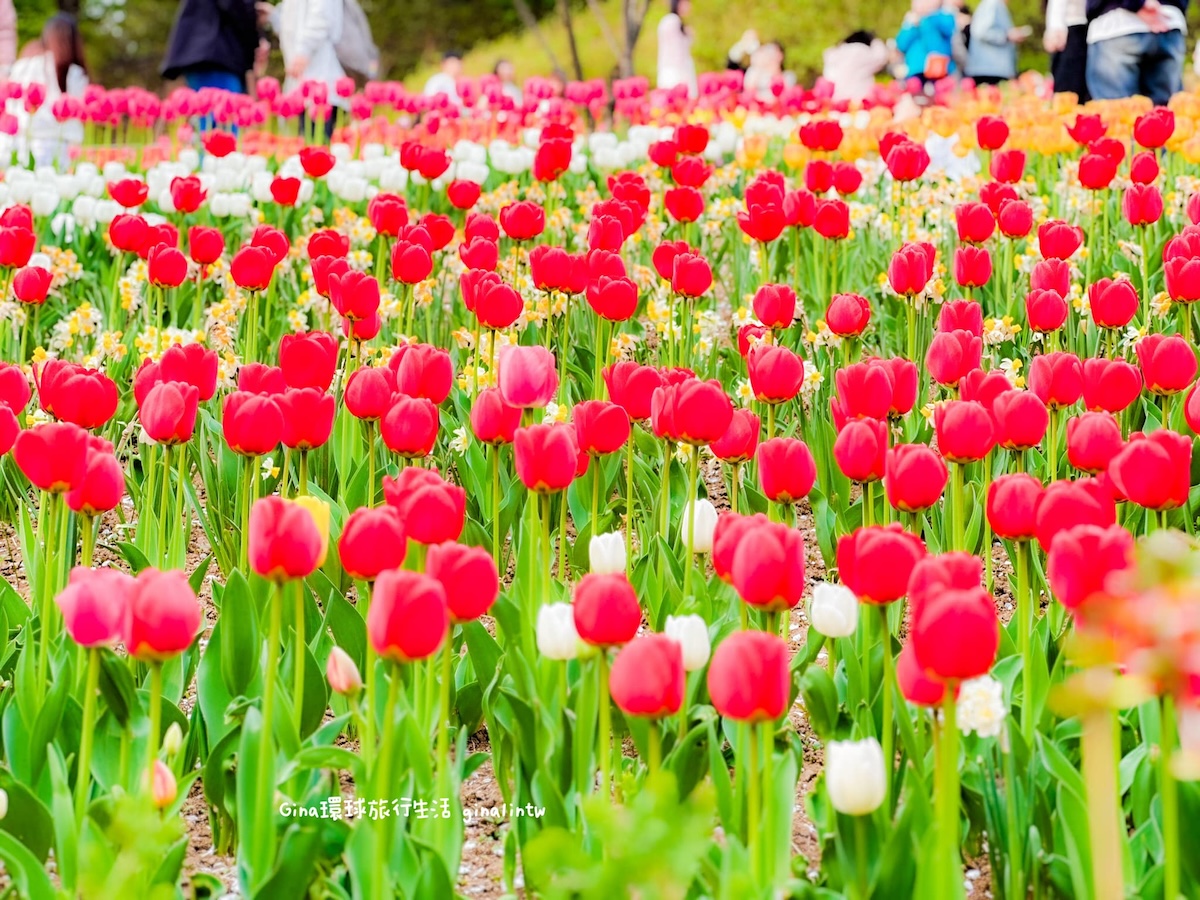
926	40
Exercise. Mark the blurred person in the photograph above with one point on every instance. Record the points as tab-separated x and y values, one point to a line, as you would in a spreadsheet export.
309	31
992	55
445	81
57	63
675	63
852	65
1135	47
505	72
740	53
1065	39
960	43
766	70
926	39
8	37
214	44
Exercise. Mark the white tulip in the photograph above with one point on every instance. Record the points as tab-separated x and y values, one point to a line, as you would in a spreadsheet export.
606	553
3	803
854	776
834	610
106	211
691	633
44	200
705	516
980	706
556	634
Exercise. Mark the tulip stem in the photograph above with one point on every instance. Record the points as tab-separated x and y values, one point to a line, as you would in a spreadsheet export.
734	483
83	772
156	689
443	738
247	487
987	524
595	495
654	757
382	777
860	857
753	799
947	801
770	421
301	652
368	741
164	498
495	473
1169	798
369	436
46	530
266	755
1016	840
957	491
887	726
868	501
693	475
1099	751
604	722
1052	447
87	550
562	537
302	487
1025	638
629	504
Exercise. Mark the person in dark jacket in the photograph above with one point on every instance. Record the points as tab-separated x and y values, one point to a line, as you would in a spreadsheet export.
1135	47
213	44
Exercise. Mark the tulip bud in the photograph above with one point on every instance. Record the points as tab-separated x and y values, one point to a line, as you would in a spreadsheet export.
172	741
606	553
691	632
834	610
854	776
342	673
556	634
703	516
3	803
163	788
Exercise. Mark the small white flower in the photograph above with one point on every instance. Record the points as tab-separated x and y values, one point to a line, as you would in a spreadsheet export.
691	632
980	707
704	516
854	776
606	553
556	634
834	610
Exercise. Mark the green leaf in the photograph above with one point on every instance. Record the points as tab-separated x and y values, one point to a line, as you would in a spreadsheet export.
28	820
25	870
821	702
236	633
66	854
255	802
117	688
136	558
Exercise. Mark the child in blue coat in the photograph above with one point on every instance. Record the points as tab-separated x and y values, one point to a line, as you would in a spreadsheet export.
927	30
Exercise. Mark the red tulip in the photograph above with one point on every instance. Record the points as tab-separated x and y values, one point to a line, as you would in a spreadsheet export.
492	420
952	355
1182	279
1008	166
546	457
553	157
93	605
162	616
52	455
251	423
991	132
528	376
285	540
906	161
910	269
462	194
1021	419
693	411
632	386
32	284
1093	439
1154	470
468	576
422	370
914	477
961	315
1085	501
775	305
972	266
1154	128
691	275
614	299
875	562
832	220
861	448
100	482
955	634
126	232
740	440
903	374
411	262
372	541
308	359
368	394
786	469
765	222
1057	379
479	253
1110	384
14	387
168	413
285	191
408	619
73	393
259	378
523	220
975	222
768	571
410	426
600	427
915	684
684	204
1059	240
1046	310
205	245
433	509
1168	363
166	267
308	416
647	677
776	373
1143	168
847	179
1015	218
252	268
388	214
1082	559
965	432
497	305
931	575
1096	172
1142	205
1086	129
691	171
749	678
606	610
1113	304
1012	502
129	192
848	315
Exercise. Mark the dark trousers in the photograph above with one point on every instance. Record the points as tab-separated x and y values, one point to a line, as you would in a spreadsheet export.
1069	65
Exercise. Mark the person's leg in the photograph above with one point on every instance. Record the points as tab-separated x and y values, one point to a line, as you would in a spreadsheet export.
1162	68
1112	66
1069	66
216	78
989	79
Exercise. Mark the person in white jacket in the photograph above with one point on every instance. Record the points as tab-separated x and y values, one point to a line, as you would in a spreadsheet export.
308	34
